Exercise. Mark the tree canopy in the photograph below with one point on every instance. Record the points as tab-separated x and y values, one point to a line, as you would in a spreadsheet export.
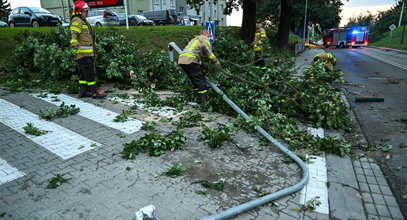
5	9
281	14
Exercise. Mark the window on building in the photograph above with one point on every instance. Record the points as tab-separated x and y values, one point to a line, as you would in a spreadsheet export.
181	9
172	2
164	2
156	2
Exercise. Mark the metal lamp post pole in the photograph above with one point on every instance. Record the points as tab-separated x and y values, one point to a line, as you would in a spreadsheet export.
305	22
401	14
404	26
211	10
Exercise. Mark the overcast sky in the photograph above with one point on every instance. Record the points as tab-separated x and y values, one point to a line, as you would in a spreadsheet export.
351	8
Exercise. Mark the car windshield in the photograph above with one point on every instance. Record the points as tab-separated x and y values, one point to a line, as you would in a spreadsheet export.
121	15
141	17
40	10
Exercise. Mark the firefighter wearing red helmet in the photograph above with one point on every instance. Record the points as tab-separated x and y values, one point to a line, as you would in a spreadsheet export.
83	44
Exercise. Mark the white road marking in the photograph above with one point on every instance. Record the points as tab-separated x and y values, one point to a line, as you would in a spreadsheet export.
95	113
8	173
161	111
386	60
316	185
59	140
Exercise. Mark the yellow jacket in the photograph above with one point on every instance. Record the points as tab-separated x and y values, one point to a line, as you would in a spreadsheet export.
258	36
81	37
327	58
196	49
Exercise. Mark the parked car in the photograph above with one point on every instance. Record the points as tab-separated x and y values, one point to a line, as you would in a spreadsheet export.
162	17
103	18
3	24
32	16
134	20
141	20
183	20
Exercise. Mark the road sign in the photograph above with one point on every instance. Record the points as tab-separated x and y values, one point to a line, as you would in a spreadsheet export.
392	27
104	3
210	27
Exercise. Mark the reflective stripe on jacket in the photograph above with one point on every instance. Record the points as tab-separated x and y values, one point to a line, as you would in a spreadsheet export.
196	49
81	37
258	36
327	58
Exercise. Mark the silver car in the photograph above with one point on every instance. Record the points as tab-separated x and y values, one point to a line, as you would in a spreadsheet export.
102	18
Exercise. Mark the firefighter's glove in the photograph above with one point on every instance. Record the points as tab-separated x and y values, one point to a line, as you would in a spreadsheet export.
74	52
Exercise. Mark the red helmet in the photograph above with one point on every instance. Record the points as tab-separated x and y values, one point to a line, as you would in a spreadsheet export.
80	6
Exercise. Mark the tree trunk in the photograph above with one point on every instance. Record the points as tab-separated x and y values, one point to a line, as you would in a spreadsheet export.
284	25
248	21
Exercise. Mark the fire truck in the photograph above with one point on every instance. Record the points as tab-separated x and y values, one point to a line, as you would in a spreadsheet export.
356	36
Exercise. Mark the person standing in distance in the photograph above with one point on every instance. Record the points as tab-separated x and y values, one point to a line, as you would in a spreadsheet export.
83	44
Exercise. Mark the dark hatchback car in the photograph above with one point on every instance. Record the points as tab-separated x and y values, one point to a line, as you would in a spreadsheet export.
32	17
134	20
3	24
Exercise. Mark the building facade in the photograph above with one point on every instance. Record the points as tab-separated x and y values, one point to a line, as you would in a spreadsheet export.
63	8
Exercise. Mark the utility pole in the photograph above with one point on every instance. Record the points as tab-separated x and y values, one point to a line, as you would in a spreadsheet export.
401	14
404	26
305	22
211	10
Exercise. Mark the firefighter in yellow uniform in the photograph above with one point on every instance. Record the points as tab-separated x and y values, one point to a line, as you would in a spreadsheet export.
258	46
328	59
83	44
190	59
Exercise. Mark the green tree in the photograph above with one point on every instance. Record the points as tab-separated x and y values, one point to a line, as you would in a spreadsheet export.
384	19
249	15
361	20
5	9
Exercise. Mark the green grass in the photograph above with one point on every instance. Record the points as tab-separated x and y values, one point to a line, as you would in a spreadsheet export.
146	37
395	40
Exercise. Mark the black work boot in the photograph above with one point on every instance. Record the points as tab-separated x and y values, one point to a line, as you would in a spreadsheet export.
202	99
83	93
96	94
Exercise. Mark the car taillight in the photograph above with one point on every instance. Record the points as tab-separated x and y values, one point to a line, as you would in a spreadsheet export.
104	14
352	43
365	42
329	42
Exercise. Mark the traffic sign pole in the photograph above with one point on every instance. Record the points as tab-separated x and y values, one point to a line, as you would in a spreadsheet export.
391	27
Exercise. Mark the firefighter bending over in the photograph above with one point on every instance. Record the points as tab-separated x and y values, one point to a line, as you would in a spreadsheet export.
83	44
328	59
260	35
190	59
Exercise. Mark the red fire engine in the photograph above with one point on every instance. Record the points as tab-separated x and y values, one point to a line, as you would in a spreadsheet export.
355	36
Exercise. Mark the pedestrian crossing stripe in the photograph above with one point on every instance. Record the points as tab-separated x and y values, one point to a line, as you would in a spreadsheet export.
94	113
8	173
59	140
165	111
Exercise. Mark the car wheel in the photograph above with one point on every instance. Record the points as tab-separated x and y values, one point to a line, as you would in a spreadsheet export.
35	24
98	24
12	24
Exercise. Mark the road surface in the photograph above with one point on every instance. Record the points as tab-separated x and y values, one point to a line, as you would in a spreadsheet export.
372	72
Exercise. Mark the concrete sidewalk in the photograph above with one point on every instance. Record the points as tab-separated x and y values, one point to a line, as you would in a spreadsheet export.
103	185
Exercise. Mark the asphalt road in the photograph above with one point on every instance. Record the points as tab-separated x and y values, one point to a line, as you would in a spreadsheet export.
380	73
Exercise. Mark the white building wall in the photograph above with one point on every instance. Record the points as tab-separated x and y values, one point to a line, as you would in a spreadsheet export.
204	13
163	4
